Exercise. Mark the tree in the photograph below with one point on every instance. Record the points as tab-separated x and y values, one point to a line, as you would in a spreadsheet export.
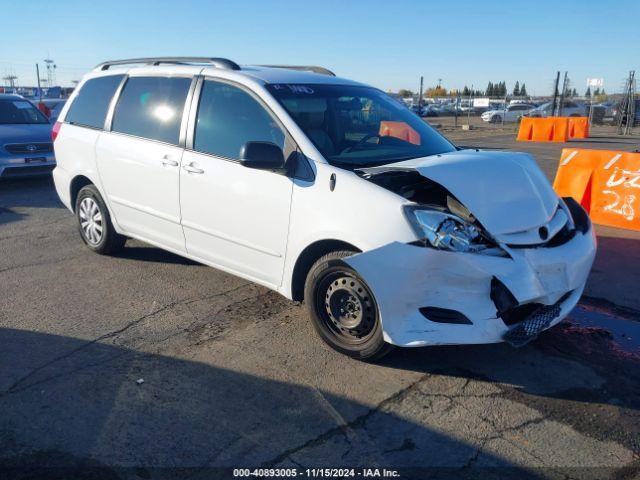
465	91
523	90
596	92
588	92
436	92
404	93
516	89
601	96
489	90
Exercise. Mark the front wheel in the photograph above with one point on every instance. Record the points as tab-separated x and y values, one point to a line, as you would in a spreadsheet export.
343	309
496	119
94	222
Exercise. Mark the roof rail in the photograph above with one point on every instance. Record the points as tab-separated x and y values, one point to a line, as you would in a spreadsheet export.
223	63
306	68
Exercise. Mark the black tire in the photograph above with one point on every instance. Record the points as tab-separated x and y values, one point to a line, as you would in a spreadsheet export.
496	119
332	285
102	239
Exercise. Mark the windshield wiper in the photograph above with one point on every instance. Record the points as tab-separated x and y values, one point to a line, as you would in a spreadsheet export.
387	162
345	165
379	163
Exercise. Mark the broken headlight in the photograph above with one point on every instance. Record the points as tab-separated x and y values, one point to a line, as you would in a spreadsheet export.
570	223
445	231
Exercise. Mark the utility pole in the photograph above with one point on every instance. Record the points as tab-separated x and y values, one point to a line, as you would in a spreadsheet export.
562	95
631	118
627	106
504	109
554	104
39	87
420	97
469	107
51	72
455	110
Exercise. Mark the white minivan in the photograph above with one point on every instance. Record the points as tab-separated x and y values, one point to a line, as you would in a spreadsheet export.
327	191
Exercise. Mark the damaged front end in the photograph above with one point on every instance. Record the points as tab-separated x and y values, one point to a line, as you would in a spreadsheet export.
436	216
493	261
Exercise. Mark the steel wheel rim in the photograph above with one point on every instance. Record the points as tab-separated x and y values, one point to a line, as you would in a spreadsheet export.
347	307
91	221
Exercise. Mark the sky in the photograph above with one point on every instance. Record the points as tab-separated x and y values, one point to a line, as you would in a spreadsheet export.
385	43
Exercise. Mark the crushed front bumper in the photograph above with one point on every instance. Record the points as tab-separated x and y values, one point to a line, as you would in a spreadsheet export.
410	282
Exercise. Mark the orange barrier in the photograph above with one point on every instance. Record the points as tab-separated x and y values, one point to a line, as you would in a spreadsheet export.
617	184
605	182
551	129
578	127
573	178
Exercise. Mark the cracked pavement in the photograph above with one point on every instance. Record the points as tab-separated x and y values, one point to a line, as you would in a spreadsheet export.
234	375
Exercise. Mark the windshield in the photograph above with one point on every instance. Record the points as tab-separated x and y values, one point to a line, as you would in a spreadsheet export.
19	111
358	126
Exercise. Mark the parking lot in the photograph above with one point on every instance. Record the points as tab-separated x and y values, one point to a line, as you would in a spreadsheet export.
150	359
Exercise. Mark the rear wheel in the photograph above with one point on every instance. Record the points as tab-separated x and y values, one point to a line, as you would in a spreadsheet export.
343	309
94	222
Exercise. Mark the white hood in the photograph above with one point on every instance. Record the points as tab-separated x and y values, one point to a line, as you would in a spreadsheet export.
506	191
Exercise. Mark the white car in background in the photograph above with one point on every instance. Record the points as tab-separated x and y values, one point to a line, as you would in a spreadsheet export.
324	190
569	109
511	113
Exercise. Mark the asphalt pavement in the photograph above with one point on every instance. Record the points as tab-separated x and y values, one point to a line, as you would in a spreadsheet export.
148	365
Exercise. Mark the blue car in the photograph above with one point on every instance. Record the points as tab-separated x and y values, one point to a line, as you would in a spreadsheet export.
26	148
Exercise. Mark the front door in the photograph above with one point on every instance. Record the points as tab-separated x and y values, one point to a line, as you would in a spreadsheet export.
234	217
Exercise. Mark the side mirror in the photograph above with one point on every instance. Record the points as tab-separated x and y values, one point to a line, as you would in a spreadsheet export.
262	156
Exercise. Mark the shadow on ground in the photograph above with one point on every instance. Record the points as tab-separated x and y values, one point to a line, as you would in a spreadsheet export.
18	194
143	253
86	413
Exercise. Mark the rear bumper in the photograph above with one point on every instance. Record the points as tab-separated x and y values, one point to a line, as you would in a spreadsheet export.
62	182
406	278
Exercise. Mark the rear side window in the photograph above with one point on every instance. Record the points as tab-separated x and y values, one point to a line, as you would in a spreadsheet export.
152	107
90	106
228	117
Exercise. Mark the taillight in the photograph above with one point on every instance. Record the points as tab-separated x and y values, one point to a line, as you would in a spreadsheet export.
55	130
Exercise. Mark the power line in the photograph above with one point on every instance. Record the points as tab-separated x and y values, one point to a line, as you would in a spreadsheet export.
11	79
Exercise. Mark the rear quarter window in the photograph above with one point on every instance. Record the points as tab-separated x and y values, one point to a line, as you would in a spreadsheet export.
90	106
152	107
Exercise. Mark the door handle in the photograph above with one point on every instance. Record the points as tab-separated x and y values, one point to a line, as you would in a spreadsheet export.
167	162
191	169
